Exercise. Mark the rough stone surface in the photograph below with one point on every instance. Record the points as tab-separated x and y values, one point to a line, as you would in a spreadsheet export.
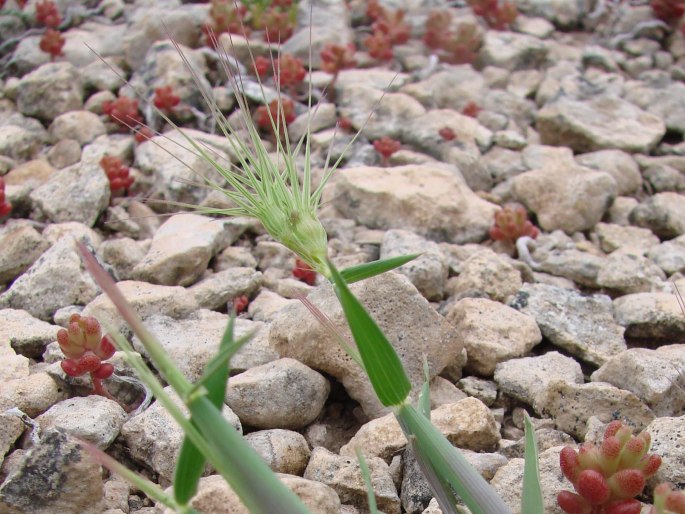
414	328
650	316
146	299
181	250
598	123
76	193
570	406
92	418
625	272
296	395
28	335
155	438
565	196
427	200
651	375
486	273
668	438
55	280
82	126
55	477
512	51
21	245
614	237
215	495
192	342
284	451
523	379
581	325
492	333
32	394
508	481
663	214
428	272
620	165
342	474
221	288
51	90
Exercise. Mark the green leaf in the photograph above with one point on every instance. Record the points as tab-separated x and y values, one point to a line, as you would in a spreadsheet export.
366	475
243	469
191	462
151	489
381	362
248	475
531	502
447	470
371	269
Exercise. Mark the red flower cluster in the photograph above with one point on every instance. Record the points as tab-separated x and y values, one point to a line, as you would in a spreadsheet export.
47	14
117	173
498	15
386	146
85	347
165	99
123	111
669	11
667	501
304	272
52	43
290	71
5	206
268	116
512	222
388	29
447	134
471	109
452	46
240	303
608	478
335	58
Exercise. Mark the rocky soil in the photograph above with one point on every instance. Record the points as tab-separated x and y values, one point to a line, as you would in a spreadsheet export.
581	121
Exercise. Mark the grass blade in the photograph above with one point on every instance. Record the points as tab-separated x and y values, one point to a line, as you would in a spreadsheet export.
371	269
151	489
531	502
250	477
366	474
191	462
448	471
381	362
243	469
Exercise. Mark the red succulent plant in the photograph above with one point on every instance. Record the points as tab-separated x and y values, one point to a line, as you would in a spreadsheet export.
304	272
165	99
499	15
47	14
52	43
511	222
85	349
5	206
607	478
123	111
275	114
457	46
117	173
386	146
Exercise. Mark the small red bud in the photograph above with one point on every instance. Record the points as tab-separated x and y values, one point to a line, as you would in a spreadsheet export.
593	487
627	483
104	371
72	368
573	503
624	507
106	348
89	362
